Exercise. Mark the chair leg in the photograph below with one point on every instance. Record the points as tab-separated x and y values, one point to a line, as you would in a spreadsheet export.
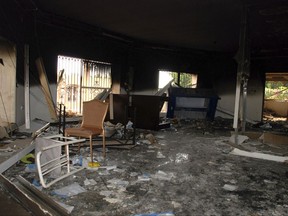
91	150
79	145
104	144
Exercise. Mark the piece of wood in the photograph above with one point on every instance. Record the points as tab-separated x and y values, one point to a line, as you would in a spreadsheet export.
17	156
3	132
111	107
43	199
46	88
259	155
161	91
275	139
31	198
26	86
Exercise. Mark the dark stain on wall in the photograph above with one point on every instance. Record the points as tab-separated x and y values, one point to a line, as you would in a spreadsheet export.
50	36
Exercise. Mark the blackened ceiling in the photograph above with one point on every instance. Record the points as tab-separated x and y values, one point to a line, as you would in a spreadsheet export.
195	24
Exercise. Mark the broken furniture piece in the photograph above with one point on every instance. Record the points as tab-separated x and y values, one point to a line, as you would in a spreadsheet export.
31	198
94	113
46	87
102	96
192	103
147	109
50	160
23	147
62	119
125	135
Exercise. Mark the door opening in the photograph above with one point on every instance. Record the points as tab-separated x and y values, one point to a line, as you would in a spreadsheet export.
276	97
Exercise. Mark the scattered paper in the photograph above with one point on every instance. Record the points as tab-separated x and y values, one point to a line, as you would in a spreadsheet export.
229	187
112	200
160	175
181	158
117	183
89	182
157	214
160	155
70	190
109	167
144	177
106	193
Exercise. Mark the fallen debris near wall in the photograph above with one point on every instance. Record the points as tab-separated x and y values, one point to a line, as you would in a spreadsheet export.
16	149
259	155
275	138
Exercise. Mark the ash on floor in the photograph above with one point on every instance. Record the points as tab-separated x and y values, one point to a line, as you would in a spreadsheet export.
186	172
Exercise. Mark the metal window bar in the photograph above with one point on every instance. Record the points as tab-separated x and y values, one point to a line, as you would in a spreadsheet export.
82	81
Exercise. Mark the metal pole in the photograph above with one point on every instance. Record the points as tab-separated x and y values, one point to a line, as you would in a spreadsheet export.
242	73
244	109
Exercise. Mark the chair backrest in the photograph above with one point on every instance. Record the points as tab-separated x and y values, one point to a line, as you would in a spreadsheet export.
94	113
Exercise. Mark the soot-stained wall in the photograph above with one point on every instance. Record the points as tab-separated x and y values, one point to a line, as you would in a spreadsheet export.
49	37
141	61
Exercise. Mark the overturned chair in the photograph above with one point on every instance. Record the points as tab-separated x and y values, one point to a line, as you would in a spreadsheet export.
53	162
94	113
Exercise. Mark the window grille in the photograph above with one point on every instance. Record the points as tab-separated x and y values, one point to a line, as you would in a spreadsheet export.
80	80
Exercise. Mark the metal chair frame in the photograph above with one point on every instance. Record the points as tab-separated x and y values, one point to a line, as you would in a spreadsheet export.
63	161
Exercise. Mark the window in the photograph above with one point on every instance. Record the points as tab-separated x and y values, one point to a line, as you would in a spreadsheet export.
80	80
185	80
276	96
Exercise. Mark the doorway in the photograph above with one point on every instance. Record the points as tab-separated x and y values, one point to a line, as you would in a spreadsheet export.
276	97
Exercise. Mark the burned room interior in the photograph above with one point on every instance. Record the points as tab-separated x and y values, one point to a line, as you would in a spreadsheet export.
144	108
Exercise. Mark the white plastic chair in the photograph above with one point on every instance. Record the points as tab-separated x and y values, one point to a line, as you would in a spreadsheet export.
51	162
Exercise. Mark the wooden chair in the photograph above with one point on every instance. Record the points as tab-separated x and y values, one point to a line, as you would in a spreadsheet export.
94	113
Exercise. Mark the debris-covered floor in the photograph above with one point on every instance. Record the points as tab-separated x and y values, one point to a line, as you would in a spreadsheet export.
187	170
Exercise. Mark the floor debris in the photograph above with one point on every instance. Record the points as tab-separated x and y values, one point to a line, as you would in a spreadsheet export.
89	182
240	139
160	175
259	155
229	187
157	214
20	149
197	175
67	207
70	190
181	158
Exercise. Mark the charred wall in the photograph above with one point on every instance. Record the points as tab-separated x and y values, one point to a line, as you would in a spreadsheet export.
49	36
